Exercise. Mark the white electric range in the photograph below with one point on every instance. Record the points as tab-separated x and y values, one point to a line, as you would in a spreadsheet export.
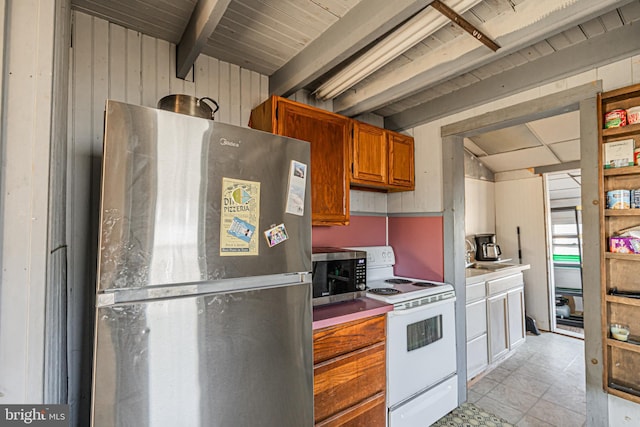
422	384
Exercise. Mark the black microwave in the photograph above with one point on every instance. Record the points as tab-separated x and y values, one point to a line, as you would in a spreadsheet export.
338	274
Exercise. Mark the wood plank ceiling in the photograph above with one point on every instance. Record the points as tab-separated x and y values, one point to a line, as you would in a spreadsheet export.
300	44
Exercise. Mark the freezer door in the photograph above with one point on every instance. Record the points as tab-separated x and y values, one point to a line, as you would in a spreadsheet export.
189	200
219	360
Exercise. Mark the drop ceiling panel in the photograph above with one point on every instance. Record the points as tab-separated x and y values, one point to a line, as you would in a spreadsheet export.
563	127
473	148
570	193
521	159
504	140
567	151
562	183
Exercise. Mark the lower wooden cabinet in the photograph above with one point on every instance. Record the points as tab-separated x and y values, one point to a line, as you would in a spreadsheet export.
364	414
350	374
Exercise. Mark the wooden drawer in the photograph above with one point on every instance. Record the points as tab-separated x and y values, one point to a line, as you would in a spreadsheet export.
348	380
476	292
341	339
368	413
503	284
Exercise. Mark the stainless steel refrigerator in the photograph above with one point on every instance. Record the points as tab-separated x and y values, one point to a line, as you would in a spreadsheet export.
203	304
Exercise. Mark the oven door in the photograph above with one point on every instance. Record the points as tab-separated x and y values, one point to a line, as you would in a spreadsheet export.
421	349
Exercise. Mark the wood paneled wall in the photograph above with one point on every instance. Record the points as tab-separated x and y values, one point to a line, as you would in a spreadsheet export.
116	63
26	38
480	208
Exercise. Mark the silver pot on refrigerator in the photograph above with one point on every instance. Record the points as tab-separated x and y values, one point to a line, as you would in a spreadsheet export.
189	105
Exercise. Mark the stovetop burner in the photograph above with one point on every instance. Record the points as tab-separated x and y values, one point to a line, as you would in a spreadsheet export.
384	291
425	284
398	281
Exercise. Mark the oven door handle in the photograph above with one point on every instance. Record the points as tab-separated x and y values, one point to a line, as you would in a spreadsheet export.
407	311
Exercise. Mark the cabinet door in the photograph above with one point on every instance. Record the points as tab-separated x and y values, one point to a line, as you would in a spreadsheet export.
476	319
370	155
517	331
498	323
401	161
477	356
329	135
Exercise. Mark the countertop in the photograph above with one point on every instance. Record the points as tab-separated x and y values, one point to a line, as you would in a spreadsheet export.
477	275
341	312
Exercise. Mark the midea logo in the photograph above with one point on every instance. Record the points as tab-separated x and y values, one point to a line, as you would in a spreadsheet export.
225	141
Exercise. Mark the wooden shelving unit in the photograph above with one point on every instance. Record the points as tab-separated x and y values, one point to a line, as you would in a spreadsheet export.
621	271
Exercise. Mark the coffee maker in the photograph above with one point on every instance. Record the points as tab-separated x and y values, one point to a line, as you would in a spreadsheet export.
486	248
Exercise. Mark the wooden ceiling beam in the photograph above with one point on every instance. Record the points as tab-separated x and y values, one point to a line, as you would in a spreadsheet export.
464	24
203	22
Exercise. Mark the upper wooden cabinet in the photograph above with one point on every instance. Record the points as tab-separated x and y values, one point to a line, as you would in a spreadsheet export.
344	153
370	155
330	136
382	159
401	162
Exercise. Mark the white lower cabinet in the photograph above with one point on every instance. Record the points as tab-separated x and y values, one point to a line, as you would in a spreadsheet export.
498	323
495	320
477	356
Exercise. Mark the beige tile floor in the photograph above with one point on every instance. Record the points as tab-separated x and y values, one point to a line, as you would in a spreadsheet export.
541	384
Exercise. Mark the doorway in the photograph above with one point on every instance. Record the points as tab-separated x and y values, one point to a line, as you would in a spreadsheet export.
582	98
564	225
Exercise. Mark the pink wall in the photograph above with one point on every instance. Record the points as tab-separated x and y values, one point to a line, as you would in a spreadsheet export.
418	245
417	241
361	231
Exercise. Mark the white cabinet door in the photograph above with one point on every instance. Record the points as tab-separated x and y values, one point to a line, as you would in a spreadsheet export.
498	323
515	303
477	356
476	319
